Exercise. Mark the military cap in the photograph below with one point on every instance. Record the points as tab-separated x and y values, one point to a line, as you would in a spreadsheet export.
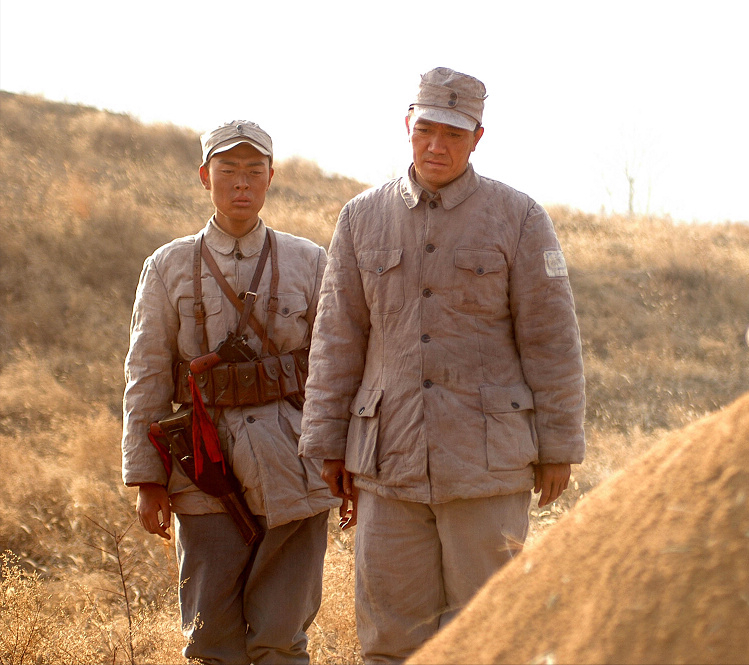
449	97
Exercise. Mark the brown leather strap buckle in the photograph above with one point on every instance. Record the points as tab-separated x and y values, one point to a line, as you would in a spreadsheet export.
245	295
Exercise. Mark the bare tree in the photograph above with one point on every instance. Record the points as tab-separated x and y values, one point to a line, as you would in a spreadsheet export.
636	151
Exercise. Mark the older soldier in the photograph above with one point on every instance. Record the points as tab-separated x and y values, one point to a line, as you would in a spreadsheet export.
239	604
446	375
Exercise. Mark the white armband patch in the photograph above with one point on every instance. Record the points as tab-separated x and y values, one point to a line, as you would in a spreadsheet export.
555	264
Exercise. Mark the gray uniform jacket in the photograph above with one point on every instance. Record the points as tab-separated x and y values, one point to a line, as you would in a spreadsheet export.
260	441
446	354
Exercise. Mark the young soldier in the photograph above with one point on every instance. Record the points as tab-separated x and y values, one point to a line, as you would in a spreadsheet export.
446	374
239	604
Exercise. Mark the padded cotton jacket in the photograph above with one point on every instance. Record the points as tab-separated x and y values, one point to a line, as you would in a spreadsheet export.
446	356
260	442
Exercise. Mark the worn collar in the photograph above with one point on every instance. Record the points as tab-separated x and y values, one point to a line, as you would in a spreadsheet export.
221	242
452	195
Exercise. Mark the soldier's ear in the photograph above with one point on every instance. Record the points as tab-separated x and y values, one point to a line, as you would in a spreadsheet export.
477	137
205	176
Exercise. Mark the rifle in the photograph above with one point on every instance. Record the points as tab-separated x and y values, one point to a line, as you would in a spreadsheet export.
174	434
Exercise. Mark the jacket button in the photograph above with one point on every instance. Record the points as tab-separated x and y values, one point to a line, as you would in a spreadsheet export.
427	384
426	293
285	310
433	204
238	256
515	405
380	268
361	411
425	338
430	248
479	271
250	419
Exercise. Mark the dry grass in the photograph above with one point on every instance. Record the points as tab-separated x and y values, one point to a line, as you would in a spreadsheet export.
87	195
333	634
36	626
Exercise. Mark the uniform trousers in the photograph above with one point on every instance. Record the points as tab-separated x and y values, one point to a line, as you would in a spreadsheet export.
240	609
418	564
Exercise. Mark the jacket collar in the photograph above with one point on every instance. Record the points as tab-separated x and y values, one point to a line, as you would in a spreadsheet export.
221	242
452	195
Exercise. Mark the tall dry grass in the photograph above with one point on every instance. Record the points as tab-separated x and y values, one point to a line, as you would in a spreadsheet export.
87	195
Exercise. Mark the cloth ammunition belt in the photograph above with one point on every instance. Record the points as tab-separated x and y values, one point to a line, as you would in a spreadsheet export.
245	383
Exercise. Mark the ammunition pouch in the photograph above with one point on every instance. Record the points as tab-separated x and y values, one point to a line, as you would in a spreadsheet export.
246	383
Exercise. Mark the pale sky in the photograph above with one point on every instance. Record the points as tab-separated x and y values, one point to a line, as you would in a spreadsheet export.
579	91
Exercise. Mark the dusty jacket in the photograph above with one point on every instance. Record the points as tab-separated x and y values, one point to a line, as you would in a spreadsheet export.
446	356
260	441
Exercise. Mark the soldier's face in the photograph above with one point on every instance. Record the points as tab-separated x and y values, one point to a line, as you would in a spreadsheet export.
238	180
440	152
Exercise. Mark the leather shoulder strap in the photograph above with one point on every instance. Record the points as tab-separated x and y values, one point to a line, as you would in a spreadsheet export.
273	295
254	282
242	301
198	308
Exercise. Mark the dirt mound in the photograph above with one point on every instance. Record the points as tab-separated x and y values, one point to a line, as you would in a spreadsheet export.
652	567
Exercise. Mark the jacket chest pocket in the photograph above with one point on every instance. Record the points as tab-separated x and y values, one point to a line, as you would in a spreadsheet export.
288	305
214	325
290	327
382	279
480	281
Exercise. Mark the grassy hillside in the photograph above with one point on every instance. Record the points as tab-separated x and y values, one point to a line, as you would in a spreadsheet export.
86	195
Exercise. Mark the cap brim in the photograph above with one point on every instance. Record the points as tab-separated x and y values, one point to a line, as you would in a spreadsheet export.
233	144
444	116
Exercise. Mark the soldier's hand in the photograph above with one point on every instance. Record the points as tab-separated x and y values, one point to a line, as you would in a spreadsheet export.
341	484
551	481
338	479
154	513
348	514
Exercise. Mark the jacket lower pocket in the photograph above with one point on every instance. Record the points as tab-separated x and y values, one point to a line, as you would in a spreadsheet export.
361	445
511	441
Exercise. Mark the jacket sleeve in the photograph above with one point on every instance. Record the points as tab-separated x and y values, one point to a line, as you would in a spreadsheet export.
322	260
148	376
338	350
548	339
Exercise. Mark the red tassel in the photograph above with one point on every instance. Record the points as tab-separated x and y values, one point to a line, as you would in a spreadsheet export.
164	454
203	430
